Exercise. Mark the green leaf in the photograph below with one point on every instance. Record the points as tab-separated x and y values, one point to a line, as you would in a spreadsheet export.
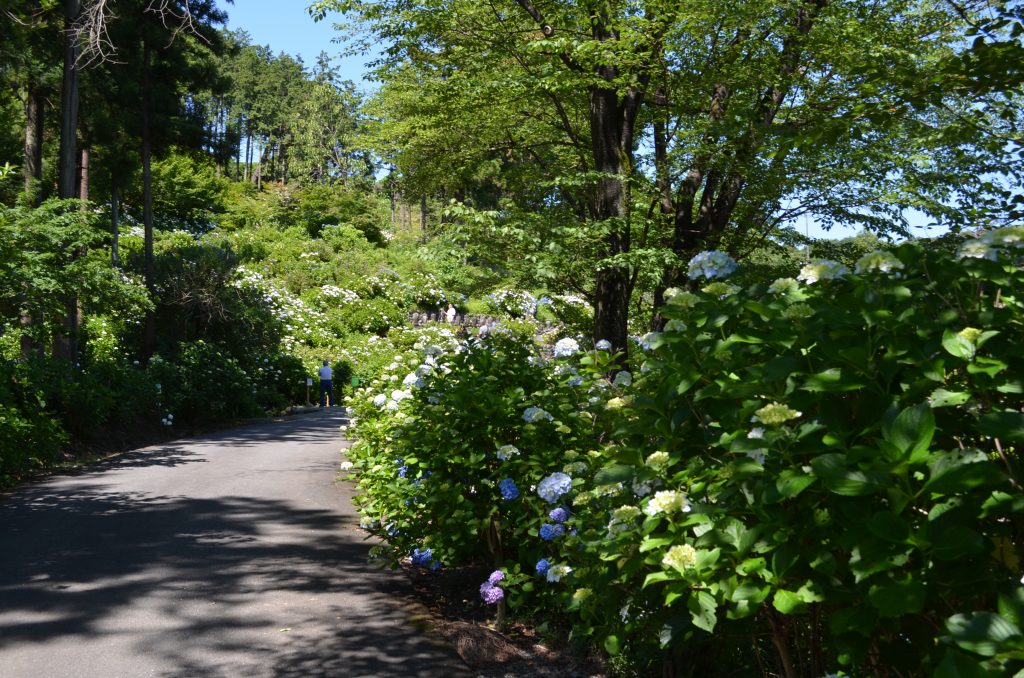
611	645
792	482
956	664
940	397
751	593
611	475
833	471
957	346
989	366
896	598
832	381
958	542
912	430
965	477
656	542
703	610
890	527
655	577
787	602
1006	425
983	633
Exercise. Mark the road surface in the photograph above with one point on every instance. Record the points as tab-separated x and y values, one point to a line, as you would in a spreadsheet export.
235	554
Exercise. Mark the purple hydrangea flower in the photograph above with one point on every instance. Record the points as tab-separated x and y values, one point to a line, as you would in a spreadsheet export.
559	515
491	594
508	488
550	532
542	566
495	577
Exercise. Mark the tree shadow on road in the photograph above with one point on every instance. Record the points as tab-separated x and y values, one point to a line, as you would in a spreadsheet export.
72	565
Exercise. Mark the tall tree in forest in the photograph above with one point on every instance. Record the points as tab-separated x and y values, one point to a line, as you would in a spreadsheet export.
719	122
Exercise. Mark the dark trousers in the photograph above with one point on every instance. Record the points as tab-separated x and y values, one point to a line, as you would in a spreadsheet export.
326	389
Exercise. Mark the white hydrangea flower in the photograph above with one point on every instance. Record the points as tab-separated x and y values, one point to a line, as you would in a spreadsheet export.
556	572
822	269
603	345
567	347
675	325
506	452
657	460
623	379
667	501
534	414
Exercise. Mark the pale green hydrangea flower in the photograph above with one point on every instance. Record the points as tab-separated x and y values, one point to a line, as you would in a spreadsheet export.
675	325
878	261
775	414
657	460
798	312
971	334
579	595
623	519
784	286
684	299
720	289
680	557
822	269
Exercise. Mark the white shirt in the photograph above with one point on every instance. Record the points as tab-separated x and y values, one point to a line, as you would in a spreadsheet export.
326	373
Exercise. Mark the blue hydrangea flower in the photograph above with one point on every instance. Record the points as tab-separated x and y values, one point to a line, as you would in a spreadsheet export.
422	557
711	264
549	532
508	488
542	566
554	486
559	515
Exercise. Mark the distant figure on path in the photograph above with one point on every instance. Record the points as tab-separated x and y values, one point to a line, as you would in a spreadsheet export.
450	313
326	384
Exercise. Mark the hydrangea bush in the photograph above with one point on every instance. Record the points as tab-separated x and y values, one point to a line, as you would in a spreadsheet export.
841	471
820	474
474	450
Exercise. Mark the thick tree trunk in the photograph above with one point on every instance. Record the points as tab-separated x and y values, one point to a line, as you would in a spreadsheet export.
69	104
33	161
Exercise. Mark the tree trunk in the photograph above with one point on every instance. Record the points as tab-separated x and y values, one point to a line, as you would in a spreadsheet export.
33	161
423	218
248	155
69	104
65	345
83	184
149	264
115	223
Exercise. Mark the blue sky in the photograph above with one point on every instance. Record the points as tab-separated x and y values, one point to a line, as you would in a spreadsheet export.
285	26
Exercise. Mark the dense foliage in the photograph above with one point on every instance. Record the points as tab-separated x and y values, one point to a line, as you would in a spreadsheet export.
826	465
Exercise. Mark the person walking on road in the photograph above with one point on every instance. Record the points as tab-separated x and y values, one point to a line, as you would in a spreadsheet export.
326	385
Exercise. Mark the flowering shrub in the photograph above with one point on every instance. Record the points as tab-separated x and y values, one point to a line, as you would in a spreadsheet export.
516	304
840	472
467	452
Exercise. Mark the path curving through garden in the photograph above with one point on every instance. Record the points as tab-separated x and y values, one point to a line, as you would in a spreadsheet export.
231	554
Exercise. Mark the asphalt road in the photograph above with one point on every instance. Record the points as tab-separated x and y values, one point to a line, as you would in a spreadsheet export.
235	554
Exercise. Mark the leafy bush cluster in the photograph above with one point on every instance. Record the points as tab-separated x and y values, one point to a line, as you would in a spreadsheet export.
820	474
